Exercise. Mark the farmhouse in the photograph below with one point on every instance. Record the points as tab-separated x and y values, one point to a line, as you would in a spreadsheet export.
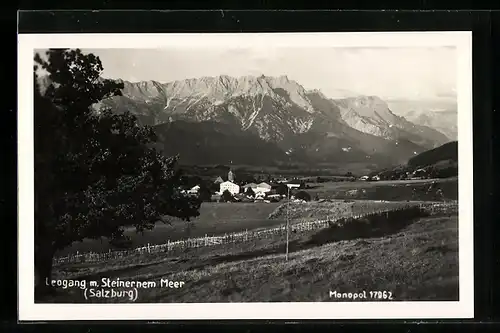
194	190
364	178
262	188
230	186
253	186
260	195
419	173
258	188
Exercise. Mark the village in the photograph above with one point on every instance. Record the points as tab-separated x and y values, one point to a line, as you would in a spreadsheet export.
275	189
232	190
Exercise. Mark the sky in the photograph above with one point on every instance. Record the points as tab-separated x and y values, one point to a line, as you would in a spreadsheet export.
390	73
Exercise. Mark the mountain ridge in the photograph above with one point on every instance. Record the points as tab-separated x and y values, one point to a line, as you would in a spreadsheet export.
304	124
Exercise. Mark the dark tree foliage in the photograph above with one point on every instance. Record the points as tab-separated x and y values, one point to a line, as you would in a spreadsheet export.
250	192
282	189
95	172
205	194
302	195
227	196
448	151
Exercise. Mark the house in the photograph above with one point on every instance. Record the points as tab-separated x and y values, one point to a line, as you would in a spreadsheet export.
262	188
194	190
364	178
253	186
274	197
260	195
419	173
376	178
218	180
230	186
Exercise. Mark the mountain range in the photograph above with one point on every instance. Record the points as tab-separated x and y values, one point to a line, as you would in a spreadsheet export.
267	120
440	114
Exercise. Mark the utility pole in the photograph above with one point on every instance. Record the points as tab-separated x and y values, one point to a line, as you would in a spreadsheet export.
288	217
289	186
287	222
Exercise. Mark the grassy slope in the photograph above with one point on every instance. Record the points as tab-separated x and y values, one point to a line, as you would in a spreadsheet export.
415	261
387	190
335	209
221	218
448	151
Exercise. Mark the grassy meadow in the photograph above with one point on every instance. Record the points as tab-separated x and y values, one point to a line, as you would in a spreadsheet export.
391	190
414	259
215	219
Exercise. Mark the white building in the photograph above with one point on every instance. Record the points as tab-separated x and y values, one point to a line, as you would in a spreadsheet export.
230	186
262	188
260	195
194	190
253	186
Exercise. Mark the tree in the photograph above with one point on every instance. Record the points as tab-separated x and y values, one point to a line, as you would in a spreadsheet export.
282	189
227	196
95	172
303	195
205	194
250	192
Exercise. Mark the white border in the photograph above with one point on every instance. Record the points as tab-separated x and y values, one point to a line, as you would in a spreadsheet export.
29	311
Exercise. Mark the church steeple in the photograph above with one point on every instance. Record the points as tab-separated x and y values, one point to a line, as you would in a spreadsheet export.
230	174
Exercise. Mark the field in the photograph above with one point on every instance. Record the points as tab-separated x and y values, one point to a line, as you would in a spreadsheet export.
414	259
222	218
214	219
394	190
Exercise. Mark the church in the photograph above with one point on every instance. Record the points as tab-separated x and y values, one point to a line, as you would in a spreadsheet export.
229	184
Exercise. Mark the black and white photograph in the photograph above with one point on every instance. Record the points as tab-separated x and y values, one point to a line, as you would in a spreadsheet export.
231	176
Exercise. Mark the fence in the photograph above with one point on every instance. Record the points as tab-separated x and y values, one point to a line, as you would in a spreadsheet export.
236	237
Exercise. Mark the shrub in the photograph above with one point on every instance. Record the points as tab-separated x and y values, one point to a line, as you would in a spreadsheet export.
123	242
302	195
